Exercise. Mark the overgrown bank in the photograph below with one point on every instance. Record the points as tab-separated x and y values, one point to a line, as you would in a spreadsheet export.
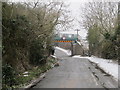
28	30
20	80
101	19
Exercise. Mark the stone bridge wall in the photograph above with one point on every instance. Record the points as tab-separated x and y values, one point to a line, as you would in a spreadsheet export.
76	49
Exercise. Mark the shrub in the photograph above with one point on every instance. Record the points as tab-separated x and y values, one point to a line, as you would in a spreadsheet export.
8	76
108	50
37	52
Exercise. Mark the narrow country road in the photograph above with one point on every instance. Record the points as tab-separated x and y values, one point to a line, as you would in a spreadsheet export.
76	73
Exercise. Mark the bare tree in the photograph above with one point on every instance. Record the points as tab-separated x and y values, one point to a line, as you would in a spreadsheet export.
103	14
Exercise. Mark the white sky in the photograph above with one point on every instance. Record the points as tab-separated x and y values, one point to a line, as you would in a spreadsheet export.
75	8
75	11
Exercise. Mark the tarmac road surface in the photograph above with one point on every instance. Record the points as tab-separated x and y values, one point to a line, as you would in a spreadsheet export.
76	73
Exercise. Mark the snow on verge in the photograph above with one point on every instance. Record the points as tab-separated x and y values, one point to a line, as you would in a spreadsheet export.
68	52
105	64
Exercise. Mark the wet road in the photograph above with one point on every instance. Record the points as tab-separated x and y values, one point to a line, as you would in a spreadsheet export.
76	73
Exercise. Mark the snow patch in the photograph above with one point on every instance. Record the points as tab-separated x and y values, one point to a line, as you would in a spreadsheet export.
79	43
25	72
25	75
53	56
68	52
107	65
77	56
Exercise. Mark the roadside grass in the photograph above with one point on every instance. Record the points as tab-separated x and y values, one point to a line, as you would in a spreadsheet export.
24	79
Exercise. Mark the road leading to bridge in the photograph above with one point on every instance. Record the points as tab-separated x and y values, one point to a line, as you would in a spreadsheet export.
76	73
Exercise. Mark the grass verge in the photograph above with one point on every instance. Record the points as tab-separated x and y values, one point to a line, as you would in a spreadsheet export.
24	79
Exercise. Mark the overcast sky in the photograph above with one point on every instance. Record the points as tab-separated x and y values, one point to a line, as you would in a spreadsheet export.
75	8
